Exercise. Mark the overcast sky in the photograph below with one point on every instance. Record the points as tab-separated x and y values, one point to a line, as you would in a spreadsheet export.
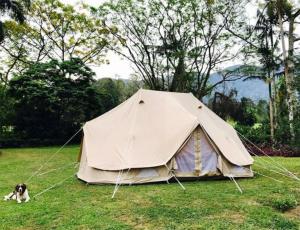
121	68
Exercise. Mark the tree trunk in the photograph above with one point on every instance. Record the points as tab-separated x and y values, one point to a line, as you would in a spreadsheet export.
274	97
179	79
288	71
273	82
271	112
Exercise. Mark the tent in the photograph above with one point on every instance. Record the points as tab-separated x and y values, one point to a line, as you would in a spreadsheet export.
154	136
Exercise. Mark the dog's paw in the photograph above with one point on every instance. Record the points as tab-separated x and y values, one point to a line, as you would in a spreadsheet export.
5	198
19	202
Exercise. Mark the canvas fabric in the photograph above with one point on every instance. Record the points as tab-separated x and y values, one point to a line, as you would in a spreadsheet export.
152	129
132	176
197	157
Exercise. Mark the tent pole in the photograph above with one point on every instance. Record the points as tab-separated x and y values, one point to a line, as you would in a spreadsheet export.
237	185
178	182
116	186
181	185
118	182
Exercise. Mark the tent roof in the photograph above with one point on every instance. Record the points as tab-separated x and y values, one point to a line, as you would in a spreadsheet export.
148	129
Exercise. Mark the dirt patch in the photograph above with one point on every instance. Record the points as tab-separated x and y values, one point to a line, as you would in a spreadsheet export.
237	218
234	217
293	213
252	203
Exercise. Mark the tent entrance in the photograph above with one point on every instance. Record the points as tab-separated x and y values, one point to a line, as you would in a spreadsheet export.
197	157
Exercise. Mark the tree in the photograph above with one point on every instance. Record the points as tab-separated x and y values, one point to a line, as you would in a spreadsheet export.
274	14
6	110
54	30
174	45
285	10
227	107
15	9
129	87
54	99
108	89
113	92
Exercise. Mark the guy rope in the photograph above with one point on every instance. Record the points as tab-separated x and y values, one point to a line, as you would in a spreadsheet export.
36	173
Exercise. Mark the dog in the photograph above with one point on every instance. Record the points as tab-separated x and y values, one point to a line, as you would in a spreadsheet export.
20	194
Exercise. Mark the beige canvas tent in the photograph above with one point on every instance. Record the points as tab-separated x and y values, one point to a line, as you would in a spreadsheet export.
154	136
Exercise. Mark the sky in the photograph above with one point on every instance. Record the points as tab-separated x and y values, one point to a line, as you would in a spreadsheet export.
121	68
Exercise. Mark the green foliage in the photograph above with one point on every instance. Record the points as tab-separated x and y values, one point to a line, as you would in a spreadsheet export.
114	92
53	30
258	133
284	204
52	100
245	112
174	45
6	109
15	9
108	89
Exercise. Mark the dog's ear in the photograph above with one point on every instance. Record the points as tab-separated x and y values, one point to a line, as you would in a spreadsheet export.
17	187
24	187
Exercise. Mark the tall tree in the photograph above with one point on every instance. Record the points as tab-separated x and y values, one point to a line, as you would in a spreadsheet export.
285	10
54	30
53	99
265	49
174	45
279	13
14	9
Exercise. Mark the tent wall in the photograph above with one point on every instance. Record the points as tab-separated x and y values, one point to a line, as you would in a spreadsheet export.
197	158
154	128
133	176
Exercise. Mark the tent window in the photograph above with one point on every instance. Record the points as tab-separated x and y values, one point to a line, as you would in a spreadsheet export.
147	173
238	170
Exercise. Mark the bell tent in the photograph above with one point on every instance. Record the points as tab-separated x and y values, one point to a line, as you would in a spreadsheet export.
154	136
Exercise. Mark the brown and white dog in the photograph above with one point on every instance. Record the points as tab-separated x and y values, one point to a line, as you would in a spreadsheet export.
20	194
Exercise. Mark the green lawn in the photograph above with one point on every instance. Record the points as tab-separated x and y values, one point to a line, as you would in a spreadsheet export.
204	205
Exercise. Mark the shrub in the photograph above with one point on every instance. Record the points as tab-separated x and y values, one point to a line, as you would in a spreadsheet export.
257	133
284	204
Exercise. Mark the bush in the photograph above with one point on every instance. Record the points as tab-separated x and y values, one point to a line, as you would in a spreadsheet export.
284	204
258	133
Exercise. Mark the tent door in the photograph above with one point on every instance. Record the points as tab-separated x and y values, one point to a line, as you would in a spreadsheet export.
197	157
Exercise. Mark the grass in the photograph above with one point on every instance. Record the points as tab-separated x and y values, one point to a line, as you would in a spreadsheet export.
209	204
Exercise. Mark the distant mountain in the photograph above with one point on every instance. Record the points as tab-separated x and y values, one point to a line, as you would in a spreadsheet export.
254	89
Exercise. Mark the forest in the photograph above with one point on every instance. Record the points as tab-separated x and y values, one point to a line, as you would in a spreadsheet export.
48	88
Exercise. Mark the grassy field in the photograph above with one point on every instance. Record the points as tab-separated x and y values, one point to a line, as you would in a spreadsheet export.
204	205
